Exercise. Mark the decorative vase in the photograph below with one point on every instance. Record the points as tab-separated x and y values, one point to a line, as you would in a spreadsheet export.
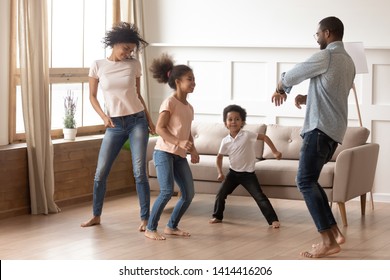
69	133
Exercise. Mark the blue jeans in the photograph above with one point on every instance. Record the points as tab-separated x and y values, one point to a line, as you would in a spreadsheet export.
135	128
171	168
317	149
250	182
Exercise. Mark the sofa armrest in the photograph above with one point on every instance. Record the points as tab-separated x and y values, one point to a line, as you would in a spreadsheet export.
150	149
355	172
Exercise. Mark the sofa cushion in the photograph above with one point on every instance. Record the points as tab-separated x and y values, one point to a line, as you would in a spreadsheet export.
272	172
208	136
286	139
354	136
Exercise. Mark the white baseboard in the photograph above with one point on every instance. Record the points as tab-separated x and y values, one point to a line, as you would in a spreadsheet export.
380	197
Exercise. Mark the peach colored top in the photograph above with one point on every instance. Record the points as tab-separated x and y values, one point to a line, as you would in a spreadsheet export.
181	116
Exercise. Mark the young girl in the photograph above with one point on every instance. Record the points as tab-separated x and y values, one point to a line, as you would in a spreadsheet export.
239	146
126	116
175	140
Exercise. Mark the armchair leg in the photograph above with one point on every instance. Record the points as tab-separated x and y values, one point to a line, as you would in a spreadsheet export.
363	198
372	201
343	213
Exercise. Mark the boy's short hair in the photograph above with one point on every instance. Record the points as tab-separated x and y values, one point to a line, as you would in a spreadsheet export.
234	108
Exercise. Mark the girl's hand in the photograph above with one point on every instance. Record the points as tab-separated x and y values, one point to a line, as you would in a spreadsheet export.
194	157
185	145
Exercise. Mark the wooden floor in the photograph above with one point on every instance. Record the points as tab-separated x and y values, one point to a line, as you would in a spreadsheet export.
244	235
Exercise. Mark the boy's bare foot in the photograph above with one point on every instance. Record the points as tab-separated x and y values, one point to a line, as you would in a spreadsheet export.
176	231
275	224
320	251
142	226
154	235
215	221
92	222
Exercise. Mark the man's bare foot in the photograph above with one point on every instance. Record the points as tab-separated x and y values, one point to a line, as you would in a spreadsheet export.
340	239
154	235
320	251
215	221
142	226
338	236
92	222
275	224
176	231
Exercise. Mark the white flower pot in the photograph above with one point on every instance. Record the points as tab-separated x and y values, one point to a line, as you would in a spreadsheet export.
69	133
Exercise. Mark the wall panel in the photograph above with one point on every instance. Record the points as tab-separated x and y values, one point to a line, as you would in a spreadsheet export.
248	75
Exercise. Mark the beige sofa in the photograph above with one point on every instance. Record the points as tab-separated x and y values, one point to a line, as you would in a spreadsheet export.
350	174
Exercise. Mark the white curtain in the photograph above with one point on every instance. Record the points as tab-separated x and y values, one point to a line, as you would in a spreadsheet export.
132	11
34	71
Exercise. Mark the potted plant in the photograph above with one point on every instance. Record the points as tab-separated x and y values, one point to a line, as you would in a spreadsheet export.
70	104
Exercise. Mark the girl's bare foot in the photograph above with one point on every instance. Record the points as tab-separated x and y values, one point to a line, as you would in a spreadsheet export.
154	235
92	222
275	224
215	221
320	251
142	226
176	231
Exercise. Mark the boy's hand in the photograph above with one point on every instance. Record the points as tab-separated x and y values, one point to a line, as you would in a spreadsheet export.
220	177
277	155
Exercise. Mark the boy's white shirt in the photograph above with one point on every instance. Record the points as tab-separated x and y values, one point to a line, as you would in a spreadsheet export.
241	150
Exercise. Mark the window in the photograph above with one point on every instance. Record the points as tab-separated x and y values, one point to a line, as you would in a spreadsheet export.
76	29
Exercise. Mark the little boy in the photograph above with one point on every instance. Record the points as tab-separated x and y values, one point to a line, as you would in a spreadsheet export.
239	145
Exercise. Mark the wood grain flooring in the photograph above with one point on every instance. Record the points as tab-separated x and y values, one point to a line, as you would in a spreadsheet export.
244	234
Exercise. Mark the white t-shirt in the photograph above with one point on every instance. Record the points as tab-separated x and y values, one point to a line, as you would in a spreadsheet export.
117	79
241	150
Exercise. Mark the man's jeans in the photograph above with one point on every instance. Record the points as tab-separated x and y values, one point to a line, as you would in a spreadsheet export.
171	168
135	128
317	149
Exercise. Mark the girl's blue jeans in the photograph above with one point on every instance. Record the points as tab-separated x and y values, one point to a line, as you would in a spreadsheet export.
171	168
317	149
135	128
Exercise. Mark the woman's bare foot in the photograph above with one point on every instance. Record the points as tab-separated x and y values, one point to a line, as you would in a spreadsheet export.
154	235
215	221
320	251
275	224
92	222
176	231
142	226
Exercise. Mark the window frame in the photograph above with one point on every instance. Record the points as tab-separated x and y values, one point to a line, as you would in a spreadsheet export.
56	76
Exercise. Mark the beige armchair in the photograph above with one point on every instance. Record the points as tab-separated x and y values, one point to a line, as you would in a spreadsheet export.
354	176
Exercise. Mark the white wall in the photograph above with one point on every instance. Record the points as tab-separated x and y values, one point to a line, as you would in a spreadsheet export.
262	22
239	48
4	73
